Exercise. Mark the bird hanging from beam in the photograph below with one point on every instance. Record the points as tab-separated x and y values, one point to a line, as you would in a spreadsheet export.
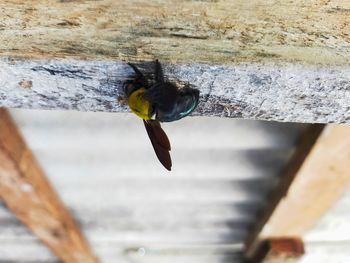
159	101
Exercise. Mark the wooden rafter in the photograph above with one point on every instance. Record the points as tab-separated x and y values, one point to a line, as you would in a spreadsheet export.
321	181
189	31
28	194
300	154
288	92
283	69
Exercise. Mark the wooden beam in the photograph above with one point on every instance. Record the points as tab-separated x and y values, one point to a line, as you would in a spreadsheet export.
254	60
189	31
276	250
28	194
296	93
321	181
301	152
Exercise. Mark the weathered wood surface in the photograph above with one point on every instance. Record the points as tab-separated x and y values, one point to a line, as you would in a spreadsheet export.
224	33
296	93
190	31
25	190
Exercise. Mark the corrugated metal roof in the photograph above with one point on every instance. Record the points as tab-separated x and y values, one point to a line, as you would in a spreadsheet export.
130	208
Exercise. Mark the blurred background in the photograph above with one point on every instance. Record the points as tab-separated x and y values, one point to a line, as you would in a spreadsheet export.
132	210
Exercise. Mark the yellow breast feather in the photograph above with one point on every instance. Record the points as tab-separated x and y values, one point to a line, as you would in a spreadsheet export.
139	105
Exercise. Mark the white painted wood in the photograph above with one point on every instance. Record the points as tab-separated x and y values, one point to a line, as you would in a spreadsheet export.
279	92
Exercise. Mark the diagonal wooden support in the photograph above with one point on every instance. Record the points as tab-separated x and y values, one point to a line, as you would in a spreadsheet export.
321	181
28	194
305	145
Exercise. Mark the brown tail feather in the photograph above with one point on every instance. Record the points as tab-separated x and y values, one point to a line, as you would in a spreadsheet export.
160	142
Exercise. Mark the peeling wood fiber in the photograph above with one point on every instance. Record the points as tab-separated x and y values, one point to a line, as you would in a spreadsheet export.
288	92
207	31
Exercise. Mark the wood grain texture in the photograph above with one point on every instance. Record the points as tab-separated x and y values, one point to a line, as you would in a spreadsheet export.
25	190
288	174
290	92
322	180
190	31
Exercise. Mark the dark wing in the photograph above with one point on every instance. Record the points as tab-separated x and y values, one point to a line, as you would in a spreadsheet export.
134	82
159	72
162	96
160	142
137	71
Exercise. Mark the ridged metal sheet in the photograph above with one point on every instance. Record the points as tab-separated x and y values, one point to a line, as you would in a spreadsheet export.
130	208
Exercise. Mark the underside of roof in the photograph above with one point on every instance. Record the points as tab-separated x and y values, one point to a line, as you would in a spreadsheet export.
130	208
